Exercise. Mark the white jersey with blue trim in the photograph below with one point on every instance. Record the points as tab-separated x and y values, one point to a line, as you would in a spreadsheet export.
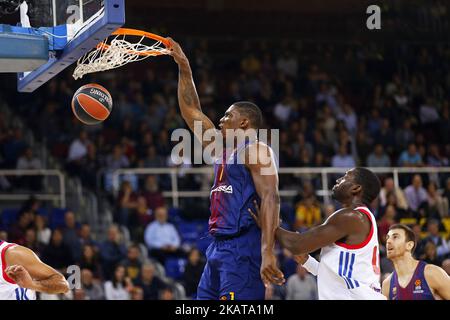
351	272
9	290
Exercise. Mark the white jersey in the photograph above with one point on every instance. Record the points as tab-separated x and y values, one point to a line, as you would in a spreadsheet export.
9	290
351	272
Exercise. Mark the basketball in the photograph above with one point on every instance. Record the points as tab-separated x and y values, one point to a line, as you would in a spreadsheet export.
91	104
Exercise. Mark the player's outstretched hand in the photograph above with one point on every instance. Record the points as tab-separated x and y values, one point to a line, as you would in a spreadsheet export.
177	53
20	276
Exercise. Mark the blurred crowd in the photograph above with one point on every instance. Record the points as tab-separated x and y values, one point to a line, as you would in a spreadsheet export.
338	105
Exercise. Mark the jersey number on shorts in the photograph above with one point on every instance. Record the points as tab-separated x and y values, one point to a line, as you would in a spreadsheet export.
21	294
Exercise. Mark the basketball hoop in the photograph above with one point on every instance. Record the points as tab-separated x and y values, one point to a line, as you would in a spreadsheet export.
120	49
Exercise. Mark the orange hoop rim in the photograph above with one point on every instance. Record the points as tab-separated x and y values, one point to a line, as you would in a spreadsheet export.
138	33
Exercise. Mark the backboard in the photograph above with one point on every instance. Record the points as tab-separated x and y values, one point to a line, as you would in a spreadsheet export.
87	22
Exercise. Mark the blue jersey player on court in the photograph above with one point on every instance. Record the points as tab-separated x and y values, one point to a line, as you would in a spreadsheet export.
241	259
412	279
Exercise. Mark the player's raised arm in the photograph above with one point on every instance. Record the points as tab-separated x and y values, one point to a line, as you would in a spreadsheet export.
265	179
337	227
438	280
188	100
28	271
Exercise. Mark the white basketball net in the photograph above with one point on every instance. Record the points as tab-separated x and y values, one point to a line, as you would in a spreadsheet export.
116	54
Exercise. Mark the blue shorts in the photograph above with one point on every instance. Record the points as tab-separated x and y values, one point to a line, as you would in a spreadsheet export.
232	270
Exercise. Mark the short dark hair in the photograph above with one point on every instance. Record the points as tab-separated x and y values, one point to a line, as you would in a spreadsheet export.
251	111
409	234
370	184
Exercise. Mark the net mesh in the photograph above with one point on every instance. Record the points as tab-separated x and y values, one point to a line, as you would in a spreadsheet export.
118	52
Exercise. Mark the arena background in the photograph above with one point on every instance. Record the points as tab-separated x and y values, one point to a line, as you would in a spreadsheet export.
341	95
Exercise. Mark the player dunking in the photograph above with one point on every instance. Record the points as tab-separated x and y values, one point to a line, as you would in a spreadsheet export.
23	273
241	256
412	279
349	259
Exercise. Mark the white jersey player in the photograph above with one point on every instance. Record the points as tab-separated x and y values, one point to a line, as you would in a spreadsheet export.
349	260
349	271
23	274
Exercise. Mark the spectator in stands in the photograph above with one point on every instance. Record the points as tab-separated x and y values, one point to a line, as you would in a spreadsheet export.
31	241
92	289
404	136
85	236
446	266
307	213
18	229
301	286
77	151
70	235
410	157
167	293
149	283
343	159
349	117
13	147
117	159
161	237
28	162
446	193
192	272
139	219
43	233
387	220
378	158
132	263
442	246
430	255
112	251
437	205
137	293
57	254
428	112
90	261
126	204
152	194
435	159
416	195
119	287
389	187
385	137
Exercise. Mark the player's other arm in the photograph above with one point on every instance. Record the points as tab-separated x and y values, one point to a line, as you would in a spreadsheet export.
188	100
28	271
438	280
265	179
386	286
338	226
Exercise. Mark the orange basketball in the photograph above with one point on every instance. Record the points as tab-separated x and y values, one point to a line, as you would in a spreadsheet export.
91	104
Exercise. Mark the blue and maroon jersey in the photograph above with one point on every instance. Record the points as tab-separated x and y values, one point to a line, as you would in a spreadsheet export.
231	195
417	288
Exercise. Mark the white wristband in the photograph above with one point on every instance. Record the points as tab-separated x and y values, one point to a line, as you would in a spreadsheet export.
311	265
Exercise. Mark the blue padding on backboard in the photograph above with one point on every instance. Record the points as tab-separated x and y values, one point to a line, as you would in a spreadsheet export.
112	19
56	35
22	52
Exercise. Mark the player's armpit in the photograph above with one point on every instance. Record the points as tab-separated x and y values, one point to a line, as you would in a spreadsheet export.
386	286
438	280
43	278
